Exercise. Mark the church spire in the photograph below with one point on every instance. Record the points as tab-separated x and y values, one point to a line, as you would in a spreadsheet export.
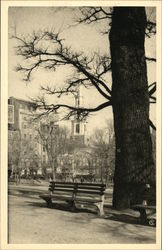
78	127
78	97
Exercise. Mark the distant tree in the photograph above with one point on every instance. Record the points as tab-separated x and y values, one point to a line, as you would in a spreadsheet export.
104	151
55	140
14	151
30	157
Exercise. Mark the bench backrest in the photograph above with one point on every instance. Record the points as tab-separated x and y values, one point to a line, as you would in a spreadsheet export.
78	188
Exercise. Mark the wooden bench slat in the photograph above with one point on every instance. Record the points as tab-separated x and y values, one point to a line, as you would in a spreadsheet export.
78	183
91	184
88	200
90	188
144	206
62	183
63	190
44	196
81	194
64	186
89	192
62	197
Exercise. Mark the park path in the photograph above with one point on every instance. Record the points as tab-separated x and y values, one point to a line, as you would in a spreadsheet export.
31	222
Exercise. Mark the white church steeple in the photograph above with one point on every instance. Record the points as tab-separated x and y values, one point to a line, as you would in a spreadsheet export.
79	127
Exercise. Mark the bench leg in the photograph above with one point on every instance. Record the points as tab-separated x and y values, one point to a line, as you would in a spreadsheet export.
100	208
73	207
143	216
49	202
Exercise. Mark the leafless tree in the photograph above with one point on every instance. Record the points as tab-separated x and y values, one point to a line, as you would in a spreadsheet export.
55	140
14	153
104	150
30	157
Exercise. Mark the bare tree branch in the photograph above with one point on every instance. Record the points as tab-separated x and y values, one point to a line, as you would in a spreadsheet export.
150	59
152	84
79	111
59	92
152	89
52	107
152	125
51	57
153	98
150	28
94	14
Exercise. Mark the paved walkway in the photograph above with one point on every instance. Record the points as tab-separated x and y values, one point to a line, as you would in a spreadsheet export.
30	221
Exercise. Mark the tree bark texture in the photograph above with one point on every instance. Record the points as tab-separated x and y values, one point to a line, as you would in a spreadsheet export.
134	166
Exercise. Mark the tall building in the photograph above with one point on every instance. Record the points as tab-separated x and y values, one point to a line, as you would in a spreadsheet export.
23	134
18	111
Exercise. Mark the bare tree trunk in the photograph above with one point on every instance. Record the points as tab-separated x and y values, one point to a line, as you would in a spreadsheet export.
54	167
53	171
134	166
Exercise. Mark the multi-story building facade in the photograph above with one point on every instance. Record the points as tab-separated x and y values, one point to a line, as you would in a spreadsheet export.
23	131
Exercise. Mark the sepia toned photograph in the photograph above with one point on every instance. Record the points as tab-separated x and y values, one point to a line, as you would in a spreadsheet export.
82	126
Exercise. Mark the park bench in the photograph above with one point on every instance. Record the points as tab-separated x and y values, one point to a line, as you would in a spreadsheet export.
76	193
147	208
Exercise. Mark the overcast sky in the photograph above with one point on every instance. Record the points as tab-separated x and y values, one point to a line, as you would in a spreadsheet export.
86	38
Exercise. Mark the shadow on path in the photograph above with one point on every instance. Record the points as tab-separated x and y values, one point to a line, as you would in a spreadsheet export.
110	213
63	206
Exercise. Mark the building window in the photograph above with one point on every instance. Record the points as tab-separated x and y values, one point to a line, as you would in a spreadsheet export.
78	128
30	108
10	114
24	136
44	149
44	158
24	126
30	136
36	137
